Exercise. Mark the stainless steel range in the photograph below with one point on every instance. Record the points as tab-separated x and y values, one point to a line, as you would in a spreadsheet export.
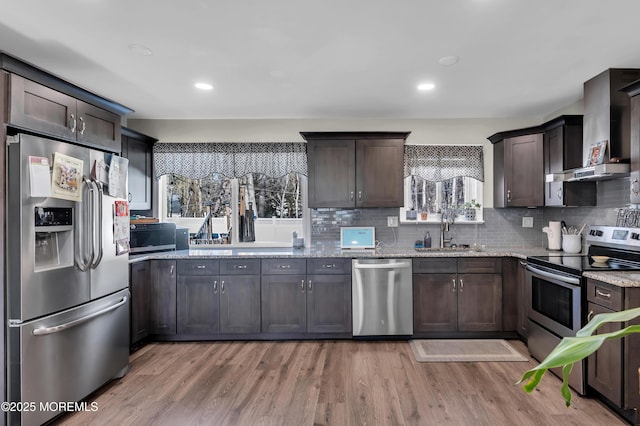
557	307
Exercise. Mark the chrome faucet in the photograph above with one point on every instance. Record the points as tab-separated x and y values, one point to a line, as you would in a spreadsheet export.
448	216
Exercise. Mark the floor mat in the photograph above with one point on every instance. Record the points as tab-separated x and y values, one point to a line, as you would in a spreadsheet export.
464	350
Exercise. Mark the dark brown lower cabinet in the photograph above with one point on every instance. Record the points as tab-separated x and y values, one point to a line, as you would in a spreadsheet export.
139	286
466	296
219	297
163	297
329	304
613	370
295	302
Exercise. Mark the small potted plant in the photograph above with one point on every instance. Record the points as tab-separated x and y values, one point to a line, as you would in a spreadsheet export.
470	210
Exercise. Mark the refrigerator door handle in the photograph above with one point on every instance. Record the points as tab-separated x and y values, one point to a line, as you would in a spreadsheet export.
83	256
43	331
97	226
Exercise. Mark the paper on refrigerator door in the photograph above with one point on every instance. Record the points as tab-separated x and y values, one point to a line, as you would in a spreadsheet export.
118	177
66	182
121	226
39	177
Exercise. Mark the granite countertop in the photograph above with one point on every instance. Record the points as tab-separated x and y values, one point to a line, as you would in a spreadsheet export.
621	279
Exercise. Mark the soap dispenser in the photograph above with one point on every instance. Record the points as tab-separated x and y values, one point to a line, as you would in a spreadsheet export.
427	240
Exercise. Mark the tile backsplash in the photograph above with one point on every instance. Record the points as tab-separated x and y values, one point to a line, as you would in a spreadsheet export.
501	227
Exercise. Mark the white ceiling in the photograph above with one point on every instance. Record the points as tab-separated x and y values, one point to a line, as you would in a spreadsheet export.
329	58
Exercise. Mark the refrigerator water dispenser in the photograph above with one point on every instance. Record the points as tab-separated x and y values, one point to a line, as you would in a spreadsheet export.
53	238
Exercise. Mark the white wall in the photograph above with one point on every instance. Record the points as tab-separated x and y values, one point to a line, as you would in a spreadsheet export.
423	131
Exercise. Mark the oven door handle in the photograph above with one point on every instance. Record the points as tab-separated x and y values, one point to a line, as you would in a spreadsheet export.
551	275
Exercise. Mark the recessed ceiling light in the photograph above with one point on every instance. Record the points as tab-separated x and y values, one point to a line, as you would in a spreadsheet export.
140	50
447	61
426	86
203	86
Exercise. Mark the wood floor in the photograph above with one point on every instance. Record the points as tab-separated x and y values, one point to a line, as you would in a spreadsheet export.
325	383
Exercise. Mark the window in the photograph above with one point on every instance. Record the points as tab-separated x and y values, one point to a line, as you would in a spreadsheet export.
205	207
426	201
443	181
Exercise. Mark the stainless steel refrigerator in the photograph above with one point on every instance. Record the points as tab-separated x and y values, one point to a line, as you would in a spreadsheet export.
67	288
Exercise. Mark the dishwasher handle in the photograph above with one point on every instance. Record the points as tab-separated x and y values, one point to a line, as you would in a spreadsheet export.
397	265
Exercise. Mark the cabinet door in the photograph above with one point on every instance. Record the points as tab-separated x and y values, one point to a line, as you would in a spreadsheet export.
379	173
240	304
605	365
332	176
523	171
37	107
479	302
284	304
163	297
198	304
524	300
434	302
140	301
329	304
634	179
139	154
98	127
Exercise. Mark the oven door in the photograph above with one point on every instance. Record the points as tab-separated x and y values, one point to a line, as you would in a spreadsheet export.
555	300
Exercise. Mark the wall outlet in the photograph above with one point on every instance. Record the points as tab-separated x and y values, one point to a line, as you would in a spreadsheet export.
392	221
527	222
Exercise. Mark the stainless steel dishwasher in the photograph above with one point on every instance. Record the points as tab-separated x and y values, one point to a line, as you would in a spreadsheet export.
382	294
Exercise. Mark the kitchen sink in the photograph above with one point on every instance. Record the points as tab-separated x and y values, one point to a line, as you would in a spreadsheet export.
443	249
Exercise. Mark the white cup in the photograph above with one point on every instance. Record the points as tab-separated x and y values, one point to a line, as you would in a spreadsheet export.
572	243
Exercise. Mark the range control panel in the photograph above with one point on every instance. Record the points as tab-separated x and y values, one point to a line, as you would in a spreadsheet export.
614	235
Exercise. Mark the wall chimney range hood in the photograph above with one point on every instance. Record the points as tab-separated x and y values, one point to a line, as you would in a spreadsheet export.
607	116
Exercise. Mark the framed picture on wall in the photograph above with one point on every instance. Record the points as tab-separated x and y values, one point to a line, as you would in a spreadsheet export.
596	153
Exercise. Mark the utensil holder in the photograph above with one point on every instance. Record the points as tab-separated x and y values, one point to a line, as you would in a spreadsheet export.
572	243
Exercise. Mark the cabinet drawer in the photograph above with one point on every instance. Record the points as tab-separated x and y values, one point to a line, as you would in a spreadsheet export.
240	267
199	267
480	265
329	265
606	295
284	266
440	265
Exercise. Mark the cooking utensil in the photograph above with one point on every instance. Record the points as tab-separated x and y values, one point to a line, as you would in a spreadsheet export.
582	229
563	226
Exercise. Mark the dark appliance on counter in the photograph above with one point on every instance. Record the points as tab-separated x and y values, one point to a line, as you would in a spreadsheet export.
152	237
182	238
558	303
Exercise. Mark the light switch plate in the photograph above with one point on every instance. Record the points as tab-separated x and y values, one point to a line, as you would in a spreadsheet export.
527	222
392	221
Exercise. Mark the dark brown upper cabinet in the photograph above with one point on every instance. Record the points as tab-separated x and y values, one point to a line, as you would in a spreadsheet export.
36	107
563	151
355	169
138	148
633	90
518	168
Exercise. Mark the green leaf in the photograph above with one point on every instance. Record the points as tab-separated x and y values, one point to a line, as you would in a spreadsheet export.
573	349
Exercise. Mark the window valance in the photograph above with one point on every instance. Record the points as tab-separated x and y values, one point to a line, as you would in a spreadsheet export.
233	160
437	163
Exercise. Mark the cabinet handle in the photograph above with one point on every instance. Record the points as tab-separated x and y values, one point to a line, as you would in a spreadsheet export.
590	315
284	266
240	266
351	195
635	187
72	123
215	286
302	286
171	271
310	286
222	286
508	195
559	193
601	294
461	285
130	197
83	125
201	267
359	195
454	285
522	263
329	265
